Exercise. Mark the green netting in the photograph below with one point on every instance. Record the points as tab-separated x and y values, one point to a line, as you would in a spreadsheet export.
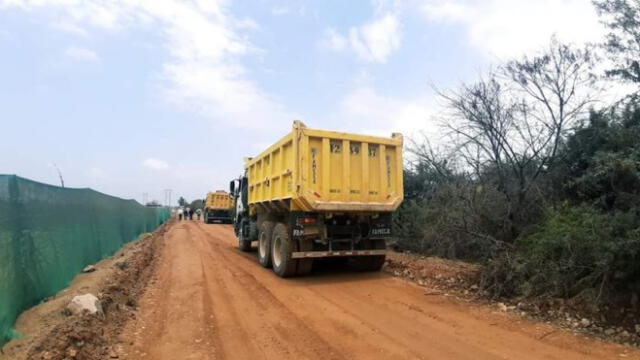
48	234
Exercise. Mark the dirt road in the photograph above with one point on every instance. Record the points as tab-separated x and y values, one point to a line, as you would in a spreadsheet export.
208	300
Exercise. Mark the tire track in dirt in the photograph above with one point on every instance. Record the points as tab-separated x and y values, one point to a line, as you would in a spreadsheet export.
209	319
291	331
165	326
361	323
160	309
333	317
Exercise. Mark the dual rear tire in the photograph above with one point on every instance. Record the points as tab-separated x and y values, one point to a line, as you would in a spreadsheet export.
276	248
282	249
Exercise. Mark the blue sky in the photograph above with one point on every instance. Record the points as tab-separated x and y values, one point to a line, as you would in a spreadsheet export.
138	96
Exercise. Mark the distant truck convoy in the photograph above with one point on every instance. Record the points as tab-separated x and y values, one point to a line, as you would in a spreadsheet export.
217	207
317	194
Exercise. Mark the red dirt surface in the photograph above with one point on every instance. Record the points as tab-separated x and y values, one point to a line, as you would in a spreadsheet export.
208	300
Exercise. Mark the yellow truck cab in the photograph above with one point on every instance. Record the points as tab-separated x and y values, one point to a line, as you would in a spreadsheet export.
317	193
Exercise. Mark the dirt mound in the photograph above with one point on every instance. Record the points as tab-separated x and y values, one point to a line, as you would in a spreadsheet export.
461	280
93	337
435	273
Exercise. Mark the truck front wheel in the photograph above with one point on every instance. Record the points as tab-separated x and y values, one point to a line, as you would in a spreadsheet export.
244	242
282	248
264	243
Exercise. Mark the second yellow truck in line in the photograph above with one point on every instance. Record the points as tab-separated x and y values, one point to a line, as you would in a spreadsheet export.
217	207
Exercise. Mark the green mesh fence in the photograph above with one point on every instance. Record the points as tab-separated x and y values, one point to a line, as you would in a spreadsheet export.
48	234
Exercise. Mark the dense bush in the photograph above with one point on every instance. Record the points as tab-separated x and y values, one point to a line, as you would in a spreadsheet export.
590	245
577	251
602	160
445	225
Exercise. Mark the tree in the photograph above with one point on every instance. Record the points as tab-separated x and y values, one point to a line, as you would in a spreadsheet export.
622	17
197	204
603	160
182	202
509	127
558	87
153	203
498	144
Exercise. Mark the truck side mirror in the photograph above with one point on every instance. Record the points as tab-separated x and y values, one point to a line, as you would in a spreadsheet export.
232	187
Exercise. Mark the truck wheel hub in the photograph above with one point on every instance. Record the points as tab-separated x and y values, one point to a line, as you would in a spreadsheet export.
262	246
277	251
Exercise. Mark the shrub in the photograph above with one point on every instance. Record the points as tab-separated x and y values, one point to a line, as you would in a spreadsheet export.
456	221
577	251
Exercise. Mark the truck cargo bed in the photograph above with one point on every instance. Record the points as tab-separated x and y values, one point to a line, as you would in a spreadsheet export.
318	170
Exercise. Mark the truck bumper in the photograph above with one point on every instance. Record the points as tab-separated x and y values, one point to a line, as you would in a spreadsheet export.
218	219
319	254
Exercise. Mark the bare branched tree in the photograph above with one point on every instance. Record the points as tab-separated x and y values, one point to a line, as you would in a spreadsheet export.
558	87
510	126
437	160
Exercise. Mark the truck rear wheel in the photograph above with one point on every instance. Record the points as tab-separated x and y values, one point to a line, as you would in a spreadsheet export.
244	242
264	243
282	248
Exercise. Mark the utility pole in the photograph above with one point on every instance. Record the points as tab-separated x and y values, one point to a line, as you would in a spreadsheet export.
59	174
167	197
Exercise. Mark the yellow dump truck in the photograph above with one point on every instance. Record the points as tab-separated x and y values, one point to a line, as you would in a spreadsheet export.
316	194
217	207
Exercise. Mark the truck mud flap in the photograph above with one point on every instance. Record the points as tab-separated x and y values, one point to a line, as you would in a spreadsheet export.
319	254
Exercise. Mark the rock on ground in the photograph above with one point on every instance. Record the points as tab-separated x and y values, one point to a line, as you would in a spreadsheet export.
85	304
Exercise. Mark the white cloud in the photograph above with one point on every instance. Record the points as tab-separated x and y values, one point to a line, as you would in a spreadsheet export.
333	40
280	10
155	164
202	71
70	28
377	40
81	54
291	8
507	28
95	172
373	42
366	110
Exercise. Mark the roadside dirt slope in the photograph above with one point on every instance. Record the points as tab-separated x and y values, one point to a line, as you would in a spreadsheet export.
50	333
208	300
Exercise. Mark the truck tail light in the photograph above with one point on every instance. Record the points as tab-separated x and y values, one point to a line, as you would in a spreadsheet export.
309	220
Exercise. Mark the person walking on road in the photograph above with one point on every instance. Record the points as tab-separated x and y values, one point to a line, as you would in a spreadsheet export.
190	214
198	213
180	212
